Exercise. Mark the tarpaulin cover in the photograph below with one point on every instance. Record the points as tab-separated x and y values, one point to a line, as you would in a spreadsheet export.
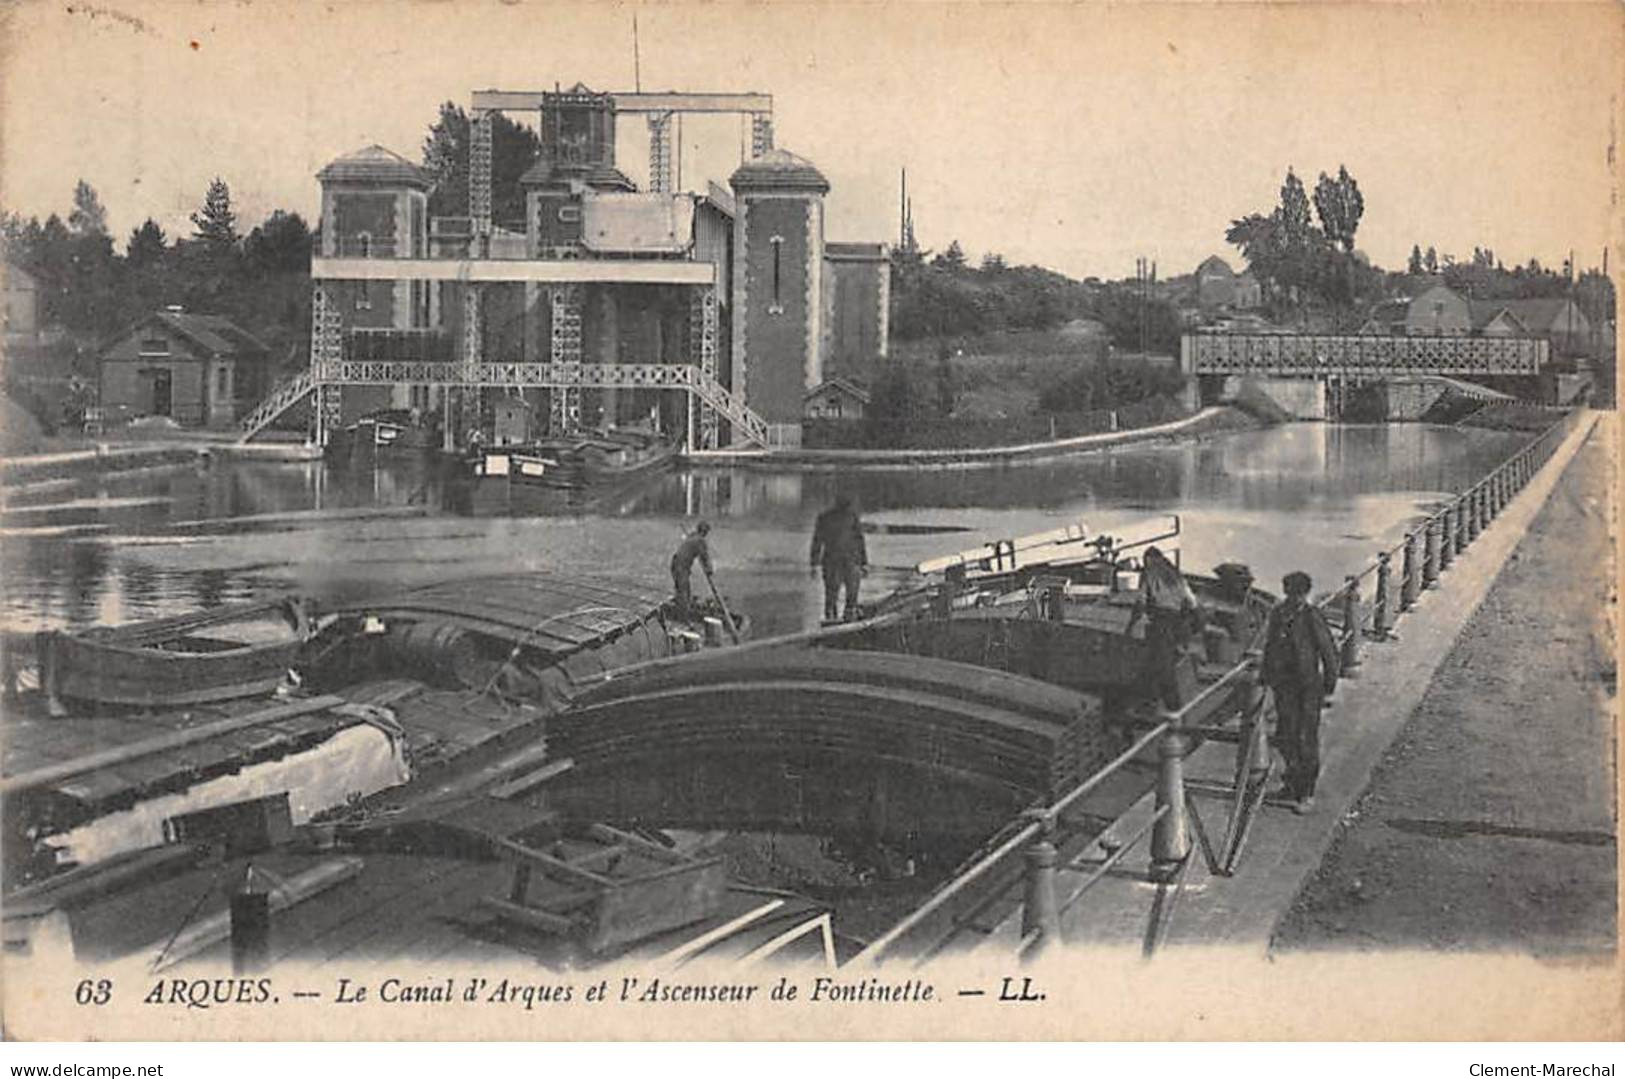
637	224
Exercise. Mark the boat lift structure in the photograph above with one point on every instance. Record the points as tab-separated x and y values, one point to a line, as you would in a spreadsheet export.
710	402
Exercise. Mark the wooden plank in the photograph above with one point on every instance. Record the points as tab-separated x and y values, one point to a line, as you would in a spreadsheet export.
80	765
679	896
520	784
603	858
653	850
547	861
536	919
86	882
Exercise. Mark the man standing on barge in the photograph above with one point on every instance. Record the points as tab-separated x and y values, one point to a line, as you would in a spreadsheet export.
837	546
1301	668
694	546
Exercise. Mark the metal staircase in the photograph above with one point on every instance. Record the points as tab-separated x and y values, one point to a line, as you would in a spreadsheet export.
286	394
745	420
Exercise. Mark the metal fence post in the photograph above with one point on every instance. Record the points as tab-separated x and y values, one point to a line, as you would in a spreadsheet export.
1379	614
1473	520
250	926
1460	511
1253	748
1040	911
1447	540
1430	552
1351	626
1408	574
1170	836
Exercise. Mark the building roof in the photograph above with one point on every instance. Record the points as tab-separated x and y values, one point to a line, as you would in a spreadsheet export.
1389	312
1216	263
215	334
1539	314
18	278
779	169
598	177
1484	312
855	252
842	383
374	165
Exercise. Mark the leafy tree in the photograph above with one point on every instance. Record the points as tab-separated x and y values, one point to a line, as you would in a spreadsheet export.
951	259
1415	265
1294	211
1339	205
147	245
282	244
88	217
514	148
215	221
1430	261
993	263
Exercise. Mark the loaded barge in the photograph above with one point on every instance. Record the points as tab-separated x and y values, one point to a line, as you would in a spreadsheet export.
554	768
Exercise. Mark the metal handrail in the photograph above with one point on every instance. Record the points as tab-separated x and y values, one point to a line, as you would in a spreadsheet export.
1042	819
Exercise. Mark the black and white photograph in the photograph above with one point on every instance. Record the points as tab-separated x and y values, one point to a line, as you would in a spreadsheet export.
834	521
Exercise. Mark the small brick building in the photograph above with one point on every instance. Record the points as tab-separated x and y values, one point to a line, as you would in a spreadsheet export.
200	370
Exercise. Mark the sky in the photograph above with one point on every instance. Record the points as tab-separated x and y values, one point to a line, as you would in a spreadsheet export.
1074	136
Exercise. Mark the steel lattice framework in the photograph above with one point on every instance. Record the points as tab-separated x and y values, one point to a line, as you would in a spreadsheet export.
1317	355
702	324
554	376
564	408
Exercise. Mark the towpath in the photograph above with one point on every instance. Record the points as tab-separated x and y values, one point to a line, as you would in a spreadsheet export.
1491	821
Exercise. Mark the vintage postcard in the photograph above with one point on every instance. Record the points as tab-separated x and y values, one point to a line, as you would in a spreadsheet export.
809	520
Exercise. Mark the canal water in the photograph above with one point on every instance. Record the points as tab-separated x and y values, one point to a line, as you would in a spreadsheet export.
1319	497
1322	498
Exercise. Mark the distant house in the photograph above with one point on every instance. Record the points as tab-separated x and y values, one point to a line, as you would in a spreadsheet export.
1215	283
838	398
22	306
200	370
1438	310
1558	319
1387	318
1435	310
1493	318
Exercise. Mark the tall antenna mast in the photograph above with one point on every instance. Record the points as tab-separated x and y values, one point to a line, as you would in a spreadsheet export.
902	213
637	61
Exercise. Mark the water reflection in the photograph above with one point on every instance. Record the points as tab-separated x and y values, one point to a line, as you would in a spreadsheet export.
1312	496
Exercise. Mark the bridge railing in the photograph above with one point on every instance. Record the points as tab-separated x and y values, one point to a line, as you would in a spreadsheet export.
1320	355
1425	552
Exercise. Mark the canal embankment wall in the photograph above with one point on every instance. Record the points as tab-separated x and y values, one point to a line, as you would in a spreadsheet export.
1212	420
1373	704
104	458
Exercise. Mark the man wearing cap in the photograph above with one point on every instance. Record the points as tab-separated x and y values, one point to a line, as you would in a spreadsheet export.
1301	668
682	567
837	546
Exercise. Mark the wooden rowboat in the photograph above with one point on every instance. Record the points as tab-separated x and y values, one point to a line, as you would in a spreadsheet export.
231	652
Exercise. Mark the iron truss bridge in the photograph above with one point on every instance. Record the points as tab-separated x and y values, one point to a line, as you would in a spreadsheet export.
1327	355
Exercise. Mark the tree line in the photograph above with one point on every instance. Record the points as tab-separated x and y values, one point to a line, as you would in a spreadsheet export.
260	280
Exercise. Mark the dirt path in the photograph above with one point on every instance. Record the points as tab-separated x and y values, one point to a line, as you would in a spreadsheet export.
1491	822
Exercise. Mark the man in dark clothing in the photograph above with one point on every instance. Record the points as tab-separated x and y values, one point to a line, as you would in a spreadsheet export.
837	546
1169	607
682	567
1301	668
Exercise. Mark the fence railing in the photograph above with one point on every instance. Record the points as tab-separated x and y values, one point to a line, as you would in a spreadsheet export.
1403	572
1175	830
